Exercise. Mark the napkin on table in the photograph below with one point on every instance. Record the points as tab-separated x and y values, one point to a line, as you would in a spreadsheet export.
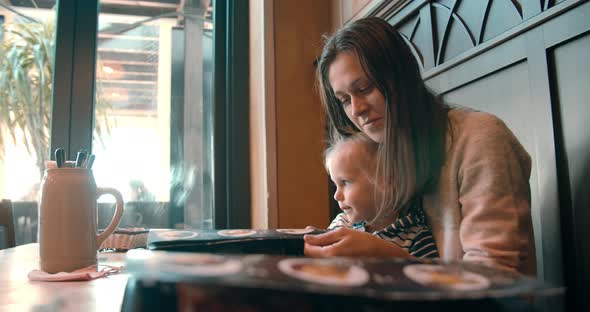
84	274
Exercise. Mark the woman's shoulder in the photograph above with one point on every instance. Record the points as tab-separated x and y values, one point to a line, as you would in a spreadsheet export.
467	117
483	135
471	124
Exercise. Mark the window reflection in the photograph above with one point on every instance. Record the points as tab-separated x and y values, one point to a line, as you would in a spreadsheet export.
153	86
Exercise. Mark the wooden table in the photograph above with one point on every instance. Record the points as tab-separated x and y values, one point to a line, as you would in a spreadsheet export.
17	293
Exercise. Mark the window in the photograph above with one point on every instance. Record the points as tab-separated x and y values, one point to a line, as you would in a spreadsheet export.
154	70
157	90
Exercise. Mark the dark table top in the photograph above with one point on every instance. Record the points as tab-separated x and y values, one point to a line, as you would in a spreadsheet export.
241	269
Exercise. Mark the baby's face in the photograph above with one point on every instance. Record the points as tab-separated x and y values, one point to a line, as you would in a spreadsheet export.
349	169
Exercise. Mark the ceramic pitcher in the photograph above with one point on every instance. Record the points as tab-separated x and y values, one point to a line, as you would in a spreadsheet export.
68	238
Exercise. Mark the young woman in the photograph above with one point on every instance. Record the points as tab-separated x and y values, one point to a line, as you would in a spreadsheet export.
467	167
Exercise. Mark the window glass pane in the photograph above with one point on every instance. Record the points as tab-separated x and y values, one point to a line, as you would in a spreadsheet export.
153	102
26	59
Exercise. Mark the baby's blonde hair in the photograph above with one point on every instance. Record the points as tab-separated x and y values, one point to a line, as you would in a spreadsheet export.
371	150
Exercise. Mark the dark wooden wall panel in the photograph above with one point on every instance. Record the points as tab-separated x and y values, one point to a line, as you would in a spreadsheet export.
473	14
571	69
502	15
527	61
497	93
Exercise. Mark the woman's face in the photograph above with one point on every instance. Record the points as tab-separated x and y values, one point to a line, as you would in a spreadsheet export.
363	103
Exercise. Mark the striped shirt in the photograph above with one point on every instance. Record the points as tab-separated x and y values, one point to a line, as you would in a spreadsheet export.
409	231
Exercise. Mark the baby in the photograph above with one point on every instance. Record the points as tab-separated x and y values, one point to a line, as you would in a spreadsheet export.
351	162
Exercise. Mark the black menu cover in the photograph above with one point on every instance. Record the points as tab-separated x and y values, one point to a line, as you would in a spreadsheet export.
234	241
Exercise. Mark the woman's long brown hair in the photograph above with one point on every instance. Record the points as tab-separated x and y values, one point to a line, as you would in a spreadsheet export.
413	149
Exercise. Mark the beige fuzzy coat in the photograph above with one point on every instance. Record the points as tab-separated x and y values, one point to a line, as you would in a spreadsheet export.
481	211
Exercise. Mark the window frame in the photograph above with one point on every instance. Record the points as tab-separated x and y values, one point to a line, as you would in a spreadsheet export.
231	94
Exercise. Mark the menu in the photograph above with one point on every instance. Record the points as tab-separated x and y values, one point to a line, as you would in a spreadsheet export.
232	241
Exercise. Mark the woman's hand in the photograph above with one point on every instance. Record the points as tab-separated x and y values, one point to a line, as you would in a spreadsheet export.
345	242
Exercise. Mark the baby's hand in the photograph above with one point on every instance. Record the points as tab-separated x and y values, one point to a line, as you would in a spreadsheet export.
345	242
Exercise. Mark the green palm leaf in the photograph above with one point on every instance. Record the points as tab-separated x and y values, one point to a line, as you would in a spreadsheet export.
26	73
